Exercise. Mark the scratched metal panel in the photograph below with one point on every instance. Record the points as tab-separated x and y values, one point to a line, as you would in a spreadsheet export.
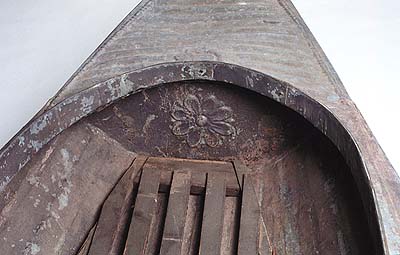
267	36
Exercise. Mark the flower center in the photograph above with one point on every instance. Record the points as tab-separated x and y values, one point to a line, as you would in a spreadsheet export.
201	120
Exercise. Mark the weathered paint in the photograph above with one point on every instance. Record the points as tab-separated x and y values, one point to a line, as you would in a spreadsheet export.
51	193
68	112
46	126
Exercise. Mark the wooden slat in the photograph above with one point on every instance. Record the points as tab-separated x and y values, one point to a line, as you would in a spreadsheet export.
145	209
111	230
212	225
84	250
199	168
176	214
249	219
191	236
231	226
157	224
188	164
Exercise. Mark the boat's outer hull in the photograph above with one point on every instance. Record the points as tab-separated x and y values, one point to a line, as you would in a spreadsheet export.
281	47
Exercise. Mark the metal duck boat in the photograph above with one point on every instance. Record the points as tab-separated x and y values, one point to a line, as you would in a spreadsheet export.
200	127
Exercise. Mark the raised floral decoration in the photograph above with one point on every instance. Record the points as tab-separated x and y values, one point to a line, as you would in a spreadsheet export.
202	121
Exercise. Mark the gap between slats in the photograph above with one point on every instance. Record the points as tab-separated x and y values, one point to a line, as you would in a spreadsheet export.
210	222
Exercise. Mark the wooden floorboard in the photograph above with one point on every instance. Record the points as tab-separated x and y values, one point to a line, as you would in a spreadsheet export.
199	169
178	207
84	250
231	226
249	219
145	208
176	214
157	225
213	216
111	228
194	216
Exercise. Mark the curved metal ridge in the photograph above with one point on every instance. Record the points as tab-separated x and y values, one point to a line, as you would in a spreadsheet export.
18	152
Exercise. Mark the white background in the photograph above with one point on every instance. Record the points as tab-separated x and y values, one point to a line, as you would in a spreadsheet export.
44	41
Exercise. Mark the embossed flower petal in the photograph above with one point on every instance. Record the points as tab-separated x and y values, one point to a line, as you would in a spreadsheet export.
194	138
222	128
211	139
192	103
179	113
222	113
181	128
210	104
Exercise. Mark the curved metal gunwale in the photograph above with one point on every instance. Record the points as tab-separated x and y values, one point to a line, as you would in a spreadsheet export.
18	152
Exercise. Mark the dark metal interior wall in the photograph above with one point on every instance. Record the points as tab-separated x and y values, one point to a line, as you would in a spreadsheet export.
309	196
377	190
202	120
309	199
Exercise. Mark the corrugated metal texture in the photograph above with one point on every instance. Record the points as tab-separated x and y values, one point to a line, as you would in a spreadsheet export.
268	36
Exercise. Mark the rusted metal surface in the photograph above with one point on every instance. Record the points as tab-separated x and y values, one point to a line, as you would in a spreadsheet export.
272	135
280	158
268	36
262	84
200	120
49	124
